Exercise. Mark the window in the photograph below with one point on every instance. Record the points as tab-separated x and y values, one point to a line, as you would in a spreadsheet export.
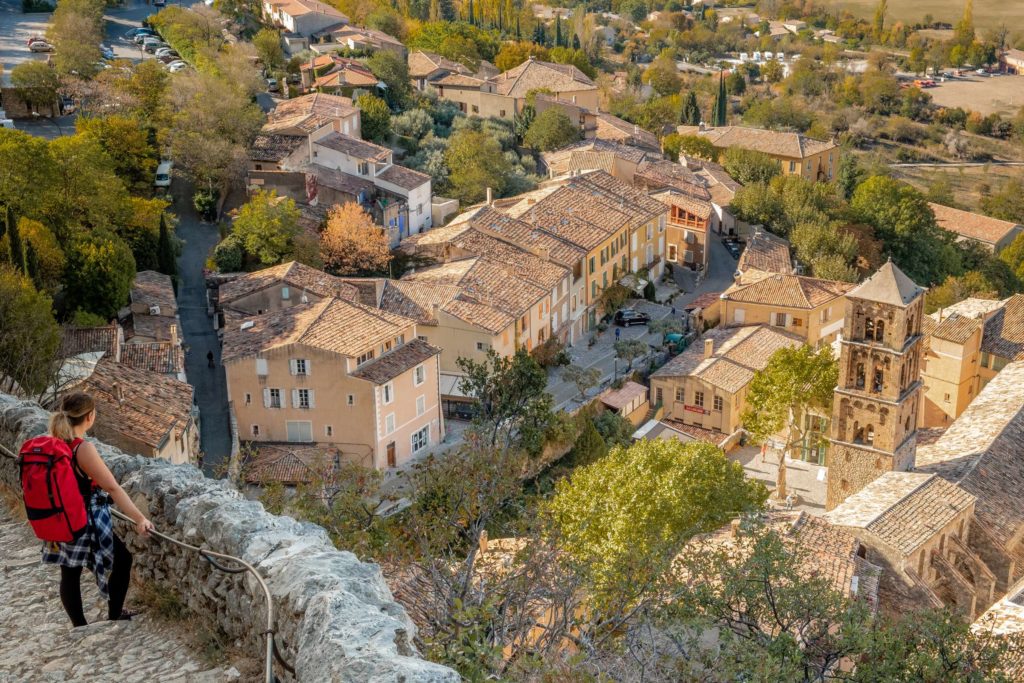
869	329
501	113
364	168
876	385
328	430
303	402
351	399
389	423
592	265
389	393
658	395
826	313
275	398
860	376
680	396
672	253
476	109
261	367
421	337
420	439
687	256
248	399
419	375
798	322
946	398
779	319
301	366
698	398
385	347
300	431
792	167
718	403
739	315
985	359
482	346
421	405
285	293
365	357
419	209
255	430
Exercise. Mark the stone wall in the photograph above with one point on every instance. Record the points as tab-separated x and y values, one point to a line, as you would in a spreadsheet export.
337	620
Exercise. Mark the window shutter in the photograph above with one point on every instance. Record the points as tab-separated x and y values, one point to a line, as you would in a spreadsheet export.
261	366
293	366
266	398
309	367
295	398
312	399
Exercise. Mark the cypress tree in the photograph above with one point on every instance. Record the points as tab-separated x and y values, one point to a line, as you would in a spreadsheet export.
165	251
691	110
32	264
470	12
519	35
14	237
558	30
721	111
575	41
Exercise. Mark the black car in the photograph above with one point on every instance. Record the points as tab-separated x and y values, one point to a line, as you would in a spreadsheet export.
628	316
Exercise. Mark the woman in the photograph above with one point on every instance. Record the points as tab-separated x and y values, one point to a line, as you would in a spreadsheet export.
97	548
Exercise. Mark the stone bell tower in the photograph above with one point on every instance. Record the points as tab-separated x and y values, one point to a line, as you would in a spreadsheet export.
874	416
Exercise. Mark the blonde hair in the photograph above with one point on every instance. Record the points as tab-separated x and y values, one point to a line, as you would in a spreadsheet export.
73	411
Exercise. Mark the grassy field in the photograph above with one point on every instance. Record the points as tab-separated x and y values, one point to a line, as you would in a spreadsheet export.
1000	95
965	183
987	13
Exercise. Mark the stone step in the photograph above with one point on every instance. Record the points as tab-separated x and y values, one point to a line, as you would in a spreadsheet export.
39	644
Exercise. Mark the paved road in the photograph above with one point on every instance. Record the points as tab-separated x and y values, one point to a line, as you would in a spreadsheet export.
721	267
15	30
200	337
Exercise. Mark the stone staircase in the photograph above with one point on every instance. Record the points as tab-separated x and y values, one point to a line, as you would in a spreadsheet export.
38	643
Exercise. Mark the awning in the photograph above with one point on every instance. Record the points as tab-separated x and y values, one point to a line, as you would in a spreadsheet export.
449	386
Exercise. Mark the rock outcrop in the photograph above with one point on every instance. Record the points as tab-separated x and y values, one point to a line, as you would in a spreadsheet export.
337	620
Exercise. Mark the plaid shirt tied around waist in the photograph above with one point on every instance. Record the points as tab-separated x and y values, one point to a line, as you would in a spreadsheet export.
94	549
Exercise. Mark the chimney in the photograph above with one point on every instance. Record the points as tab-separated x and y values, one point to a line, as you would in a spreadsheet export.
709	348
702	127
734	528
119	394
434	308
174	334
544	253
941	314
490	196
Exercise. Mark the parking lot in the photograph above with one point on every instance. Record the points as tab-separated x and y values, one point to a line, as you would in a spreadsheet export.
1001	94
15	30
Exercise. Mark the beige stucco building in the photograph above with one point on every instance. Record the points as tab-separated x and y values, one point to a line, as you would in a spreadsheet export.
797	154
809	307
338	374
706	385
991	233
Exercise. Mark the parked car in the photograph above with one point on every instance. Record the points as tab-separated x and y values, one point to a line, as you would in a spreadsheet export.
162	182
628	317
106	52
165	51
152	45
272	85
132	32
169	59
175	67
40	46
35	39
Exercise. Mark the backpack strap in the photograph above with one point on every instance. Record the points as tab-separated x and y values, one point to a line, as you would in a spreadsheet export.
85	483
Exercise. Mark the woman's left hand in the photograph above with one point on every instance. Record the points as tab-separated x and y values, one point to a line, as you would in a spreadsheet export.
143	527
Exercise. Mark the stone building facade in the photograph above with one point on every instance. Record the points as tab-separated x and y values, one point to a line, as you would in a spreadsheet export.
874	421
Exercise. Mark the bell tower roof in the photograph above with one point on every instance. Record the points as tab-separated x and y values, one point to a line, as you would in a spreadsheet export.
889	285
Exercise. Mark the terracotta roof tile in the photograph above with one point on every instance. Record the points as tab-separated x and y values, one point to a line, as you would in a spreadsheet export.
416	300
956	328
619	398
889	285
738	353
614	129
523	263
485	281
558	160
766	252
154	407
308	112
405	178
973	225
293	274
339	180
274	147
790	291
1004	331
904	510
78	340
392	364
698	207
457	80
422	64
776	143
533	74
981	452
663	173
151	288
163	357
354	147
156	327
288	463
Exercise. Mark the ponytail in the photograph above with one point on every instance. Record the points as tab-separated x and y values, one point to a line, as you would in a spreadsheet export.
60	426
74	410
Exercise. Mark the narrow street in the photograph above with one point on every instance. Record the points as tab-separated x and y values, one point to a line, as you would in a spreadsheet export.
200	337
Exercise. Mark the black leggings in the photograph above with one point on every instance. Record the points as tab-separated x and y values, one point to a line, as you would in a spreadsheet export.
120	574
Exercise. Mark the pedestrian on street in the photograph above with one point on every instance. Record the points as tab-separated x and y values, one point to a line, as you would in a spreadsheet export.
618	333
673	311
209	359
790	500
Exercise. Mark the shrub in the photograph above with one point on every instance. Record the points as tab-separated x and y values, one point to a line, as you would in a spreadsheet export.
228	255
205	202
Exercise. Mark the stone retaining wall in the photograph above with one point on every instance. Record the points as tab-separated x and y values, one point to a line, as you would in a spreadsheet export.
337	620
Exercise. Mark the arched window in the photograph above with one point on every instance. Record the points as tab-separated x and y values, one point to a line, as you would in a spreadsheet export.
869	329
870	439
858	433
908	426
860	375
879	330
910	326
877	382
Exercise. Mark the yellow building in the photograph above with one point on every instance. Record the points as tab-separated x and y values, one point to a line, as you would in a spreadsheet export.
337	374
806	306
797	154
705	386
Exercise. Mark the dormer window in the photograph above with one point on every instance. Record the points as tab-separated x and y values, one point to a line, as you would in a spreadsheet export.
368	356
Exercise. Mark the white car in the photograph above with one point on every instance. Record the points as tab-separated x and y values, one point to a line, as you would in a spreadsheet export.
164	51
175	67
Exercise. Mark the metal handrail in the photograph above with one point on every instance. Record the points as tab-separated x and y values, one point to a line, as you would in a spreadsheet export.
272	652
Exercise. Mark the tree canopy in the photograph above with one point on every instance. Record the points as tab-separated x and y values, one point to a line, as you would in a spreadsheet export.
267	226
352	244
551	130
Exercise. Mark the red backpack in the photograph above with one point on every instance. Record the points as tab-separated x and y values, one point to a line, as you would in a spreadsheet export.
53	500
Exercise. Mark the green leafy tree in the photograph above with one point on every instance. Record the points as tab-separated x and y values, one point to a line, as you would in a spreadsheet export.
957	288
630	349
748	166
86	188
551	130
36	84
583	378
772	71
99	273
476	162
588	447
375	117
514	410
686	489
736	83
758	204
147	88
266	227
394	73
512	54
166	253
27	172
228	255
691	110
903	220
267	42
16	248
126	141
1007	203
48	255
662	75
29	335
795	385
675	144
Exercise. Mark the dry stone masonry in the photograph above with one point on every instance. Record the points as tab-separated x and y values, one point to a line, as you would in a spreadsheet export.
337	620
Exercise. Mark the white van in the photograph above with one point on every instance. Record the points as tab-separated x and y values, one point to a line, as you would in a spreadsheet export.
163	176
